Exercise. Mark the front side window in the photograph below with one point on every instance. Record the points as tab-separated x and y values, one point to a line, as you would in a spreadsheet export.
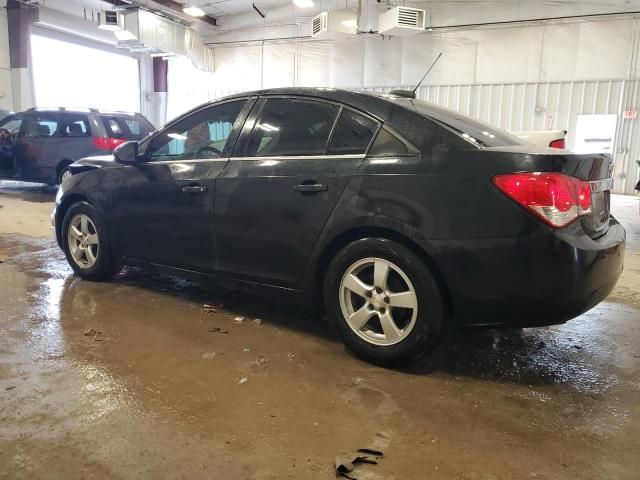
41	125
352	134
289	126
10	126
199	136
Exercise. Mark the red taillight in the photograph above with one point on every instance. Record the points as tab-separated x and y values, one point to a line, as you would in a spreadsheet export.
556	198
107	143
559	143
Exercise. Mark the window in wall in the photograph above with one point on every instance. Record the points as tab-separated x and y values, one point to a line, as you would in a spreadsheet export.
70	75
292	127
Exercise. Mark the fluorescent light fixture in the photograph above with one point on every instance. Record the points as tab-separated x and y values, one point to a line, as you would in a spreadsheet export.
194	11
176	136
303	3
124	35
350	23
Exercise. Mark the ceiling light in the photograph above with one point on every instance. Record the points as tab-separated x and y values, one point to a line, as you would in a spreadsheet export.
194	11
303	3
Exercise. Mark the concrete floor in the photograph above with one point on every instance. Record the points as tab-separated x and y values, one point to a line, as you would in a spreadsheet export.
158	395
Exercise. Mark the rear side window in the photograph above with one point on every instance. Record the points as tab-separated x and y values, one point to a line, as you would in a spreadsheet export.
352	134
41	125
289	126
387	144
75	126
126	128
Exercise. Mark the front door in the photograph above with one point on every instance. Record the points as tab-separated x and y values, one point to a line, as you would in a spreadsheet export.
274	196
37	151
163	206
9	135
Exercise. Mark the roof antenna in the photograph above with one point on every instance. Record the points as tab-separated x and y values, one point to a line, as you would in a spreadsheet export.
412	93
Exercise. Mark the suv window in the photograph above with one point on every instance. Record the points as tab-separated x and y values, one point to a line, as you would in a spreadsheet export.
39	125
352	134
289	126
11	124
73	125
201	135
126	127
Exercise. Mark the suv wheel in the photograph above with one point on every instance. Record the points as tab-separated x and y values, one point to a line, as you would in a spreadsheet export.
64	173
384	302
86	243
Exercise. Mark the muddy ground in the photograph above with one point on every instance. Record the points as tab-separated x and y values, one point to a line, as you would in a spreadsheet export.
133	379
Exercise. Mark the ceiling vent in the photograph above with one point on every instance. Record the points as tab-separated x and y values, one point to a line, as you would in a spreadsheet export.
146	32
334	24
401	21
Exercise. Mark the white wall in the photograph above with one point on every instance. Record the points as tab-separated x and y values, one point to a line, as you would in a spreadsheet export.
6	98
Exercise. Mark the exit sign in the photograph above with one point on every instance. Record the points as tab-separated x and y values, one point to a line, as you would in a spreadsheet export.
630	114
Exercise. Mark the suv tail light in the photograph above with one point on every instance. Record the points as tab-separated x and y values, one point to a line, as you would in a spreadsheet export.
556	198
107	143
559	143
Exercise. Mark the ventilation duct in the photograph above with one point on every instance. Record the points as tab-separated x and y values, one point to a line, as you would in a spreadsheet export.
334	24
401	21
153	34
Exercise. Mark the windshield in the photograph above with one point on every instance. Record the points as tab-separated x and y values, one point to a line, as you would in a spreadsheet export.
474	131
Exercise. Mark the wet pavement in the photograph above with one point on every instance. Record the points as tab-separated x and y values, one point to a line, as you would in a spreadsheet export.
134	379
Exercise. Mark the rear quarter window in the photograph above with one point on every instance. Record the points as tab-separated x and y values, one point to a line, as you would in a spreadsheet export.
127	128
75	126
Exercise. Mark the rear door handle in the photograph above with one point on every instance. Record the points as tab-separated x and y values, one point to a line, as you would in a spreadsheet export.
310	188
194	189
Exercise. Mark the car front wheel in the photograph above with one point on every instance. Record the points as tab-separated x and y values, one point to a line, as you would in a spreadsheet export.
384	302
86	243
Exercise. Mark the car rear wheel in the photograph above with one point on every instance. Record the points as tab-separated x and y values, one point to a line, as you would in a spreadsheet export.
384	302
86	243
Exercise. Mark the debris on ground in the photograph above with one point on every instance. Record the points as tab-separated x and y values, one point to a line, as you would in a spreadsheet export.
208	356
10	387
217	330
258	321
89	333
97	335
637	355
213	306
346	463
246	349
291	355
577	347
238	319
243	380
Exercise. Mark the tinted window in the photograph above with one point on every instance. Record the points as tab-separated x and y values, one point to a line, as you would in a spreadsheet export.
75	126
201	135
292	127
41	125
127	128
11	124
352	134
388	144
474	131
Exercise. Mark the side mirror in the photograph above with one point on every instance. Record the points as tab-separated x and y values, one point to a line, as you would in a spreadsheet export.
126	152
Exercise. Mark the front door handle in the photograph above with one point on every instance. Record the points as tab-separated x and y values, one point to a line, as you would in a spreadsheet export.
310	188
194	189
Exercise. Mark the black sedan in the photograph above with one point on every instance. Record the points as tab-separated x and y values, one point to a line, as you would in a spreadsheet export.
403	218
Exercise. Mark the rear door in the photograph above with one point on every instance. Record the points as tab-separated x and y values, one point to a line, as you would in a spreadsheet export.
274	196
163	207
37	151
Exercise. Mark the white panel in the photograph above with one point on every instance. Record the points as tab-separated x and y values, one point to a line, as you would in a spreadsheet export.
347	63
278	64
313	64
6	99
382	63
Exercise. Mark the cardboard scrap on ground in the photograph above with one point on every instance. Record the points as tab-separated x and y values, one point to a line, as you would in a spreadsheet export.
346	463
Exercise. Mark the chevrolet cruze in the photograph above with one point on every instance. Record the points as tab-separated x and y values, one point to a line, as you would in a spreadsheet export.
403	218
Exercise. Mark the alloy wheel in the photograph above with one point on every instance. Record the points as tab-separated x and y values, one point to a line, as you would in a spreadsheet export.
84	244
378	301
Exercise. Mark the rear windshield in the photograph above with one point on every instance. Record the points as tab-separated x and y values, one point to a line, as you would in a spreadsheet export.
472	130
127	127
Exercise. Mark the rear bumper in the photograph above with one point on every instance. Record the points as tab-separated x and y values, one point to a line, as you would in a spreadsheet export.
545	278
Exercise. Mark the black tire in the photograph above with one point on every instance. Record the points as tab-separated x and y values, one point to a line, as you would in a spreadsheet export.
104	267
429	325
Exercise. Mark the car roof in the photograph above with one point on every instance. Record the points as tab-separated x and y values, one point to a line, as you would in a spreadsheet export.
82	111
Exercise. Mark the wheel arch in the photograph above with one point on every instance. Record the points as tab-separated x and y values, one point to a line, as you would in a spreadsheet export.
343	239
62	164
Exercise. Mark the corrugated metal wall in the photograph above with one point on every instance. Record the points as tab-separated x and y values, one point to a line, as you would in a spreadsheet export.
548	106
